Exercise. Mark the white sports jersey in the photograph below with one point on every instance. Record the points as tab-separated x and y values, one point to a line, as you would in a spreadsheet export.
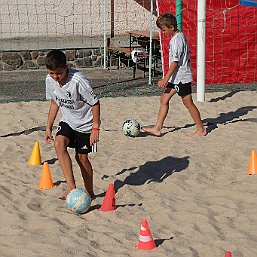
75	100
179	52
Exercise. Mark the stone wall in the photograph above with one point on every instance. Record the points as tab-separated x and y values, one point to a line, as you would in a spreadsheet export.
30	60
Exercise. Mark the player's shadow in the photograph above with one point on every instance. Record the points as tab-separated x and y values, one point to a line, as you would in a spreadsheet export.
229	117
58	182
152	171
144	134
223	118
94	207
51	161
26	131
98	206
159	242
230	94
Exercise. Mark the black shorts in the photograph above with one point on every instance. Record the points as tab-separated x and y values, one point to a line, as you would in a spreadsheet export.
79	141
182	89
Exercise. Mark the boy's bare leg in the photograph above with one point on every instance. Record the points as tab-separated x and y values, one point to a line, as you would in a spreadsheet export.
60	145
86	171
163	111
193	110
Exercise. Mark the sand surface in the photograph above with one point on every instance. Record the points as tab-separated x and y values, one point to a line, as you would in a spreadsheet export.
195	193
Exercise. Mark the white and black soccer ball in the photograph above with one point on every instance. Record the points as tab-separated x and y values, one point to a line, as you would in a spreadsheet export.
131	128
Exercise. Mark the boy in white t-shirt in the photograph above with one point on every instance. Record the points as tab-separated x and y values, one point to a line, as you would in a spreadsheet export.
70	92
178	78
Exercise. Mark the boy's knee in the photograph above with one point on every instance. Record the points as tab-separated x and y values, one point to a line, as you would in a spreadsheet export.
59	146
81	157
186	104
164	101
187	101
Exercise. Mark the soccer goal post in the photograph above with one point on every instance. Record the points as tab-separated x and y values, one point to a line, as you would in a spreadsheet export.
201	35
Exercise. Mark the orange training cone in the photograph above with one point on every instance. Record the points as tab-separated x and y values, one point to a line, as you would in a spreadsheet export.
145	241
46	179
35	158
109	200
252	167
228	254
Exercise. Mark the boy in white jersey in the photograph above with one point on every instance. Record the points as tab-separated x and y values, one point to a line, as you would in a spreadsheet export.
178	78
70	92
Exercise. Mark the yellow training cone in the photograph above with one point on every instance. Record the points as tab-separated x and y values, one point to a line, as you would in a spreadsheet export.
35	158
46	181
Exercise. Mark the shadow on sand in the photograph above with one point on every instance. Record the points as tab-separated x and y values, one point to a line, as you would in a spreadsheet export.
152	171
212	123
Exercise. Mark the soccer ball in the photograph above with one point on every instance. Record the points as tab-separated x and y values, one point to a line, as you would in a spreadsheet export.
131	128
78	200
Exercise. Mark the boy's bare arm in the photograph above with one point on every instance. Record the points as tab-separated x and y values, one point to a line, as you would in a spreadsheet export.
53	110
96	115
96	123
163	83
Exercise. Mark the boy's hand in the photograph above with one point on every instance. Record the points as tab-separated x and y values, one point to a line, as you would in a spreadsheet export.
162	83
48	136
94	137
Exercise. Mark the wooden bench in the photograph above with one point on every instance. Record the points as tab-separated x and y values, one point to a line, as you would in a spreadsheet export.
123	54
144	34
142	37
123	50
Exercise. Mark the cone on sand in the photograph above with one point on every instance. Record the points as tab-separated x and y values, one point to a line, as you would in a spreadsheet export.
228	254
145	241
46	181
35	157
252	167
109	200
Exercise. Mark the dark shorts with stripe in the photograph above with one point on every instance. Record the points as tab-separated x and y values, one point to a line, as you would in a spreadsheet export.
79	141
182	89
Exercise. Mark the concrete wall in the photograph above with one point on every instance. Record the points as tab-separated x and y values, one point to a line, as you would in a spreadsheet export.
32	60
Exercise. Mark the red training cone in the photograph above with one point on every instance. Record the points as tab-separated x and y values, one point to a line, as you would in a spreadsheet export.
109	200
228	254
145	241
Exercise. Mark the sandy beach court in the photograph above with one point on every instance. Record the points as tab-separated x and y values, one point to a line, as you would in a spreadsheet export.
195	193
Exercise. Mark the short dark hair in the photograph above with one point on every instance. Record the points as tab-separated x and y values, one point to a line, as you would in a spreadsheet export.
56	59
167	20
